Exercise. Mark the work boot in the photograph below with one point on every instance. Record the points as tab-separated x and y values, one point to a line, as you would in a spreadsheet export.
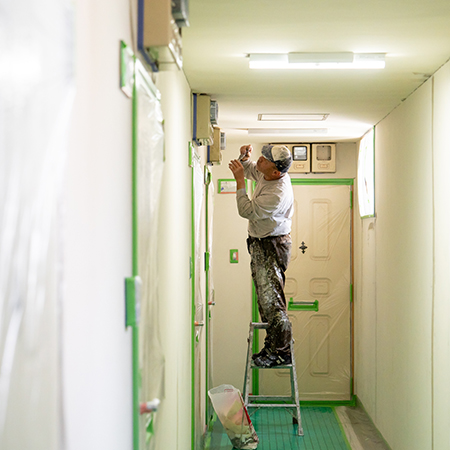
263	352
273	360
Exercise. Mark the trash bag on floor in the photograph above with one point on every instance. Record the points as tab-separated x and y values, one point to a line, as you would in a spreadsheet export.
230	409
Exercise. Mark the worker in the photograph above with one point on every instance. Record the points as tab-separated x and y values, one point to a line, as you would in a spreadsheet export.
269	215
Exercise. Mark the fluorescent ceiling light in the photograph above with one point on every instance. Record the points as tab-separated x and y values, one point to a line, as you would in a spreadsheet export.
293	117
287	131
345	60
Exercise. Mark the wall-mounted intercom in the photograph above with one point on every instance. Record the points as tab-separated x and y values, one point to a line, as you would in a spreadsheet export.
203	132
215	150
301	158
323	158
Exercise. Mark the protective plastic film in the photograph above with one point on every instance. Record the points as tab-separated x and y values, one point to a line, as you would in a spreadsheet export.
198	182
198	194
360	431
36	97
318	292
211	299
150	162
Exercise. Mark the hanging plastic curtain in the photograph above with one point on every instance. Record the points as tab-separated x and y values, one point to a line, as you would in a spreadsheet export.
198	194
210	287
36	97
150	162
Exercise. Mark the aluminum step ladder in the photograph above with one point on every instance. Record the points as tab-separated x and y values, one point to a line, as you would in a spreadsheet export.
271	401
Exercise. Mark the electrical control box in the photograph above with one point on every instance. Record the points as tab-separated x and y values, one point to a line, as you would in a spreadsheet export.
301	158
323	158
215	150
203	132
159	37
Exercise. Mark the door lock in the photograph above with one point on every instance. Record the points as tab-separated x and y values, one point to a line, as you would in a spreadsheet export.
303	247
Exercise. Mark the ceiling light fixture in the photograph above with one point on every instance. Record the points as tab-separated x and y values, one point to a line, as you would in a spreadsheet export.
275	117
345	60
287	131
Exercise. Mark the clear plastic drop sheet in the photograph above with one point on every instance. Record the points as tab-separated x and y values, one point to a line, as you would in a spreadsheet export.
36	99
360	431
199	185
210	318
198	196
320	269
150	161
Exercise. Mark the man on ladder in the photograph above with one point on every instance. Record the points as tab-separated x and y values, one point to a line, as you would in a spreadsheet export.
269	213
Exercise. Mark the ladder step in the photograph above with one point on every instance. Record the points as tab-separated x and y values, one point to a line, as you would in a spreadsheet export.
285	366
271	398
270	405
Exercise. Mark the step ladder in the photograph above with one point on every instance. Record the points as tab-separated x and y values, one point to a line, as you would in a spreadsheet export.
271	401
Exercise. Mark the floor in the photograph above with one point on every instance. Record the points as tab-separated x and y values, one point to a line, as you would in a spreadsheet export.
325	428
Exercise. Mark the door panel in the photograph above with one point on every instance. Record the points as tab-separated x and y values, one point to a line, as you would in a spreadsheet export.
320	269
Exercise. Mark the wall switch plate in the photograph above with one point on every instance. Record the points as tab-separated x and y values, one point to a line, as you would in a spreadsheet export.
234	256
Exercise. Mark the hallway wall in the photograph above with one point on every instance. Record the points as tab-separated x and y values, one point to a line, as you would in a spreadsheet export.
97	237
402	286
441	316
174	253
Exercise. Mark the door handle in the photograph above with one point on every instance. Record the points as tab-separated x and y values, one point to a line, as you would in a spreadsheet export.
303	306
149	407
303	247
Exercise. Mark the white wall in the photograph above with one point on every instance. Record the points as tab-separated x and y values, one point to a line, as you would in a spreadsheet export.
404	249
403	258
441	317
96	345
232	282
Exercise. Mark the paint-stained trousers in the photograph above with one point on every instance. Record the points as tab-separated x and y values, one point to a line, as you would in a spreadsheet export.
269	260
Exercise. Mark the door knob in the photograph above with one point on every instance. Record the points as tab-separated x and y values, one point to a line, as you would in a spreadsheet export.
303	247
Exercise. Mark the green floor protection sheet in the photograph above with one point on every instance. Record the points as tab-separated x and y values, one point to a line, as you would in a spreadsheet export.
276	431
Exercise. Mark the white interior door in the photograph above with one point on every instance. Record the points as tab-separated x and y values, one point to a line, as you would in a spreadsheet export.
320	269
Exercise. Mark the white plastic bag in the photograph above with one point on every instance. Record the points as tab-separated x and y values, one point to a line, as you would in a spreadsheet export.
230	409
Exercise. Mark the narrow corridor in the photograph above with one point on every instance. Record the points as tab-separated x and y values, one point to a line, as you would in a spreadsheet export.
325	428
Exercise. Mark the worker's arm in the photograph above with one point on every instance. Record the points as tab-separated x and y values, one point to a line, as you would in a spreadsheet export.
262	207
238	171
250	171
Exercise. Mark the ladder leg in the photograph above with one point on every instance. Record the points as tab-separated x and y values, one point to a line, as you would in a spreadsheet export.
248	370
294	385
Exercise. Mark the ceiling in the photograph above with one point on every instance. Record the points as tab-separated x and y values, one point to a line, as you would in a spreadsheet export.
414	34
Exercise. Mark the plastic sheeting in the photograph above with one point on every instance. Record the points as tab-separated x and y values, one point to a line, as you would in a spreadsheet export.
36	97
210	293
360	431
150	162
198	186
232	413
320	269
